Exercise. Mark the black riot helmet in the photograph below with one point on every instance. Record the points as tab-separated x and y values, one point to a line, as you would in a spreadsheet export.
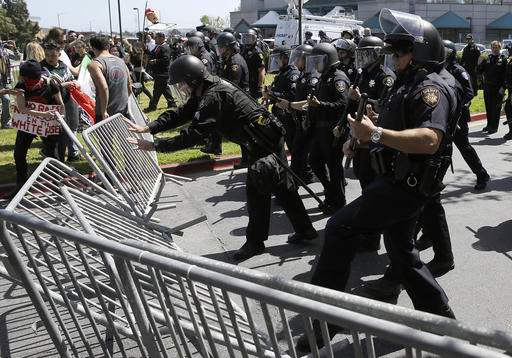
194	45
195	34
404	29
450	51
249	38
308	34
368	51
322	58
188	69
345	45
278	59
226	39
298	56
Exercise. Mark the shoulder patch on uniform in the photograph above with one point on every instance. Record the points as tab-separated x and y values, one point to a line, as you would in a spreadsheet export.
205	61
465	75
350	71
234	67
294	78
371	83
388	81
430	96
340	86
314	81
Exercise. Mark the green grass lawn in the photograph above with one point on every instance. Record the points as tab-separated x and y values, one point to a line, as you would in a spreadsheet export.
8	137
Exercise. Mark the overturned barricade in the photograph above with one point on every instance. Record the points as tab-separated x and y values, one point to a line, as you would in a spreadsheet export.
168	303
134	173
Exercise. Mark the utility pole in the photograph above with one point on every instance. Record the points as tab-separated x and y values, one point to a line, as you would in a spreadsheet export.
110	19
120	26
300	21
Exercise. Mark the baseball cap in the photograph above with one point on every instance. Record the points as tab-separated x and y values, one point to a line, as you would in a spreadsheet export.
31	69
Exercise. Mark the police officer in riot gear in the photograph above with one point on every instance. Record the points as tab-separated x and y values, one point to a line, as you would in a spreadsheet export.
195	34
233	66
409	150
283	88
460	138
309	39
253	55
346	52
493	70
234	69
323	37
375	80
217	105
195	47
324	110
306	85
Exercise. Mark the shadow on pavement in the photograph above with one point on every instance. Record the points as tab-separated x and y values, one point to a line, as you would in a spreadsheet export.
494	238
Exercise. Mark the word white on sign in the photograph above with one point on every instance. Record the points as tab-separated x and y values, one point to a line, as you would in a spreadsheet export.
39	126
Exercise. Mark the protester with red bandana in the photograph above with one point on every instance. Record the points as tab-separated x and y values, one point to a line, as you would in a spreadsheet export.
32	87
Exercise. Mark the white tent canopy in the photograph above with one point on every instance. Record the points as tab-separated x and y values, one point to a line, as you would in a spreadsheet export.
270	19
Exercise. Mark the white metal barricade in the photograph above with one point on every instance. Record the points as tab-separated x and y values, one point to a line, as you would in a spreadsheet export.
75	292
166	300
134	173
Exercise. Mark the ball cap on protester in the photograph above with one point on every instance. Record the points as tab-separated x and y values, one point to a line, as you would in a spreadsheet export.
406	32
31	70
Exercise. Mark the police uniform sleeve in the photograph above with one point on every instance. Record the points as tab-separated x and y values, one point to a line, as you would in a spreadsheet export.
340	96
465	81
203	123
292	85
429	108
235	73
174	118
259	59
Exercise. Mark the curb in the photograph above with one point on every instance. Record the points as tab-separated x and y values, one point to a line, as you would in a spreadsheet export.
198	166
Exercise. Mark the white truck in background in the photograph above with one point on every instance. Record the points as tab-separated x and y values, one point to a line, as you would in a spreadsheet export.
287	31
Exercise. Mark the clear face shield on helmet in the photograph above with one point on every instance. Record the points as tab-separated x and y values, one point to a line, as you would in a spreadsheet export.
182	92
275	62
298	59
316	63
191	49
367	56
248	39
401	23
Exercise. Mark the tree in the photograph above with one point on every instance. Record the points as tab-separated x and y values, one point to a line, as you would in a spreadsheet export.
6	25
215	21
24	29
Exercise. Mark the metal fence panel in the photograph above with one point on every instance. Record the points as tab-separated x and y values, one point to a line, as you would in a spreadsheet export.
98	290
134	173
170	298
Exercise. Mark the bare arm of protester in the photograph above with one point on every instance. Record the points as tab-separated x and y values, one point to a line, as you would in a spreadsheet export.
22	107
101	85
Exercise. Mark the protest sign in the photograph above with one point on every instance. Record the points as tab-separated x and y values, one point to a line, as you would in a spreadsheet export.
36	125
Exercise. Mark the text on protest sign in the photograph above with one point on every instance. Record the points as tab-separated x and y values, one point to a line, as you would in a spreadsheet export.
36	125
